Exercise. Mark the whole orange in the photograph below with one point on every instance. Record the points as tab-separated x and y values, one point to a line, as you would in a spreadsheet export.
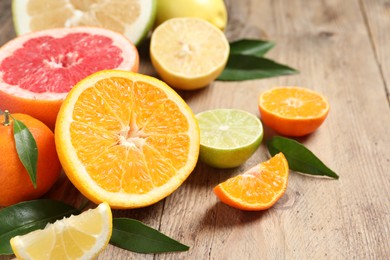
15	183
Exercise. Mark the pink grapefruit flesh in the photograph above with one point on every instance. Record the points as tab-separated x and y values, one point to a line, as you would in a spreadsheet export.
38	69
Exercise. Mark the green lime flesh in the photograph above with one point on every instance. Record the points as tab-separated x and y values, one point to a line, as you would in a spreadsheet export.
228	137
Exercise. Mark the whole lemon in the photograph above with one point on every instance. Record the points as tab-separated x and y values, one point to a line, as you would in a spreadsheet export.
214	11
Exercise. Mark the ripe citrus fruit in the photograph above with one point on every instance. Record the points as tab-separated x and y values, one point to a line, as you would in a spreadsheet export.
38	69
188	53
293	111
78	237
213	11
15	183
259	188
133	18
126	138
228	137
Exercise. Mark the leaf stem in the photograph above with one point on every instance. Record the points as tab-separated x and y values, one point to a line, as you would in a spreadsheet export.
6	118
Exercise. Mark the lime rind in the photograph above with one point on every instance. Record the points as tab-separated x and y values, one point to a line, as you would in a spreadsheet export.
229	137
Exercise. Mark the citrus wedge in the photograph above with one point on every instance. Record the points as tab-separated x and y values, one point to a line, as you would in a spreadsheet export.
188	53
78	237
133	18
259	188
126	138
228	137
293	111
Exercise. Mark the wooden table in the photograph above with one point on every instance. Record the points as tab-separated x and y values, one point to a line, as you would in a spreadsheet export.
341	48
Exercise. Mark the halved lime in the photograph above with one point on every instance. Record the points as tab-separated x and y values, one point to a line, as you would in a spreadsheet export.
228	137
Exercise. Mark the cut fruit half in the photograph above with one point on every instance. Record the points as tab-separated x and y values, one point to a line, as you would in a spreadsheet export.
259	188
293	111
228	137
188	53
126	138
78	237
133	18
38	69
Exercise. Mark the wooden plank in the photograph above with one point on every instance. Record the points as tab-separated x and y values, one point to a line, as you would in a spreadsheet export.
6	26
377	14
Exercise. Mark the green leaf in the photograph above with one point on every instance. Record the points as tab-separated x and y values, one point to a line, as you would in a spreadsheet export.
243	67
135	236
26	148
251	47
299	157
25	217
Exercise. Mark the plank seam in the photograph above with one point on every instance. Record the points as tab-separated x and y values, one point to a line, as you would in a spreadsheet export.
373	46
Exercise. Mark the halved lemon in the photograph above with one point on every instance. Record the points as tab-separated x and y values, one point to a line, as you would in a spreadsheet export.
188	53
78	237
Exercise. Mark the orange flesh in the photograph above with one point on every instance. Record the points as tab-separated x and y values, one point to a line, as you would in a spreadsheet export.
257	189
294	103
136	148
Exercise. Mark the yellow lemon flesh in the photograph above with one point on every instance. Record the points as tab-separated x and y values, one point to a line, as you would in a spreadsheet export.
77	237
214	11
188	53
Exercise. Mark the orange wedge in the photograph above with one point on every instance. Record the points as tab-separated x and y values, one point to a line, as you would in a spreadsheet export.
259	188
126	138
293	111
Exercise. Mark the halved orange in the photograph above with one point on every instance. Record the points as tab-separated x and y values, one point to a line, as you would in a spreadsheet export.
293	111
258	188
126	138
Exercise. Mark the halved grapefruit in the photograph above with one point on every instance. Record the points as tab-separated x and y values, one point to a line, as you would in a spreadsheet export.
133	18
38	69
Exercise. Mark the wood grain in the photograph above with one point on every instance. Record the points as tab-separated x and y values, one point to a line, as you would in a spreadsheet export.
341	49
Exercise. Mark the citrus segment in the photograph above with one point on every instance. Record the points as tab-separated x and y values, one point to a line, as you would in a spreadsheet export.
188	53
126	138
37	70
133	18
228	137
78	237
258	188
293	111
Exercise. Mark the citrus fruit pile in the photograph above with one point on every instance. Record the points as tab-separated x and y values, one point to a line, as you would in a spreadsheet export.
37	70
78	237
124	139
